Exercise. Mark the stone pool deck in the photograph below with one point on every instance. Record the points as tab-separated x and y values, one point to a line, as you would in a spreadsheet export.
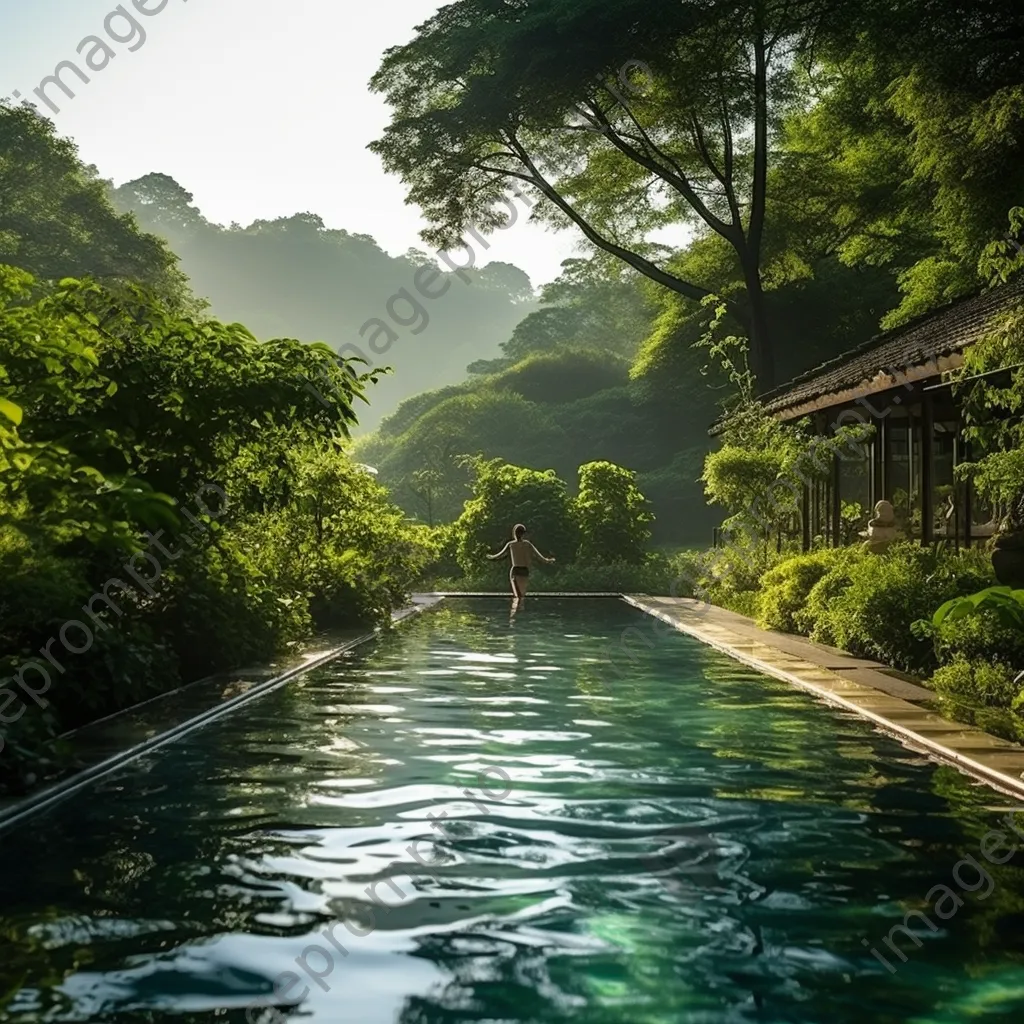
896	704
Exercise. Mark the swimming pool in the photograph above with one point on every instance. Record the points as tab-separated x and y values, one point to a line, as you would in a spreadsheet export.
478	820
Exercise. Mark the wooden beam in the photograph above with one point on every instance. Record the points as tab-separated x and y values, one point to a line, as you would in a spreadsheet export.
927	422
878	463
836	504
805	509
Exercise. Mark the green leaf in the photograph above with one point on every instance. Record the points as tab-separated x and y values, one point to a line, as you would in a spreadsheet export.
11	411
943	611
961	610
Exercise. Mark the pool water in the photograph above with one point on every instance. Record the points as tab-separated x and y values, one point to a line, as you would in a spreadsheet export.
679	839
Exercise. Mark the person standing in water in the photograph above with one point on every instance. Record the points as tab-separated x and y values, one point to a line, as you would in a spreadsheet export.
522	553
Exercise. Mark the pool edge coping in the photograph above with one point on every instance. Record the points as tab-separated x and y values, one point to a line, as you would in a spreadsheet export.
34	803
996	779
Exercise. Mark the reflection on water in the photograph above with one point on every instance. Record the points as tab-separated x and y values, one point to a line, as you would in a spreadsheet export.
680	840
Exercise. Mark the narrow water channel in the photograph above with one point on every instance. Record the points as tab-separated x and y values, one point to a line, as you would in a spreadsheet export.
678	840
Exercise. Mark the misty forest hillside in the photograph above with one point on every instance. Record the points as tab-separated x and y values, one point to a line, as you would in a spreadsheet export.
607	369
293	277
487	368
602	365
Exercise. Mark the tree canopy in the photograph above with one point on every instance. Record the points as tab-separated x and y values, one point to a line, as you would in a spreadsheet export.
623	116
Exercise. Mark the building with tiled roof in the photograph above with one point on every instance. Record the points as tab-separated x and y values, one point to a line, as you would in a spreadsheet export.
895	382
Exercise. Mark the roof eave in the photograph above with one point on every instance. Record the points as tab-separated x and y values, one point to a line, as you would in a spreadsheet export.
883	381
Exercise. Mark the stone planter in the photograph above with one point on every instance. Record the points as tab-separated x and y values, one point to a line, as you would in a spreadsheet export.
1008	558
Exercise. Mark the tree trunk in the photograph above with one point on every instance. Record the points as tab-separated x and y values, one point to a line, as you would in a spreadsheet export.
762	356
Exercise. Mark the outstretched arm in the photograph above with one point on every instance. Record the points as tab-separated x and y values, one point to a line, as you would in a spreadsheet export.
500	554
546	561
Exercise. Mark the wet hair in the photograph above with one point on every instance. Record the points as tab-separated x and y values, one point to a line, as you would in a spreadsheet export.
518	530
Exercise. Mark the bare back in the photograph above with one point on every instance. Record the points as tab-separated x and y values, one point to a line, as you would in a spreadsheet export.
522	552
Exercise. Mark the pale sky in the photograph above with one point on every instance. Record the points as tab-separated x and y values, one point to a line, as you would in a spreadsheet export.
259	108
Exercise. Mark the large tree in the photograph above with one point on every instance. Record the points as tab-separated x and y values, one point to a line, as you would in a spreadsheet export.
625	115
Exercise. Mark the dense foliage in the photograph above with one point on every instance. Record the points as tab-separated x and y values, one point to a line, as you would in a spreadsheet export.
895	139
873	614
339	544
933	614
762	466
612	515
785	589
156	473
979	641
55	220
572	405
683	134
559	407
504	495
599	539
991	388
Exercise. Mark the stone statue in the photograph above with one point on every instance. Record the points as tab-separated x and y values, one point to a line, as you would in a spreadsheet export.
882	529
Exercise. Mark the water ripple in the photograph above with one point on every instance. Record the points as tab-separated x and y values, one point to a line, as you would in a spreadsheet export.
677	840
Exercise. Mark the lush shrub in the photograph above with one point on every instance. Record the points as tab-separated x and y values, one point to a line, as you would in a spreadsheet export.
339	545
611	514
980	637
742	480
730	576
652	576
443	562
116	415
980	644
504	495
38	588
787	586
222	610
685	568
123	663
813	620
978	682
872	615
